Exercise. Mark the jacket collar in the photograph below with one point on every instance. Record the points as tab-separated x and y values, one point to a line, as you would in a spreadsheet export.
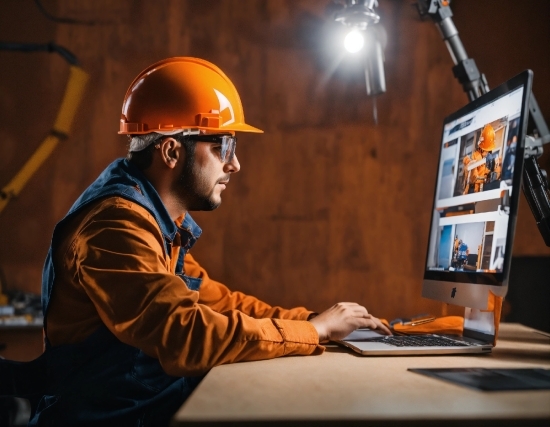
168	227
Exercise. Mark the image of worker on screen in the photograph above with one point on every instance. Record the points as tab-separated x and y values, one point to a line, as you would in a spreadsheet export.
510	151
481	158
468	246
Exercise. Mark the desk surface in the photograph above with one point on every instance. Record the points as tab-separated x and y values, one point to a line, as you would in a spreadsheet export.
341	388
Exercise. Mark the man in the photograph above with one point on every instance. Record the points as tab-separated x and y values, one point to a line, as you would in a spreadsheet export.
509	159
487	171
456	244
132	321
463	252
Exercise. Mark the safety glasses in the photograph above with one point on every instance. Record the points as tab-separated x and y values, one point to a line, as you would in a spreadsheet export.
227	144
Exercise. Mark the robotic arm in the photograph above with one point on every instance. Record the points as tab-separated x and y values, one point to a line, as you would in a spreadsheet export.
535	181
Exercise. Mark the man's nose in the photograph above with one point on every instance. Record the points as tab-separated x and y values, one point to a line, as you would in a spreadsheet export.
233	166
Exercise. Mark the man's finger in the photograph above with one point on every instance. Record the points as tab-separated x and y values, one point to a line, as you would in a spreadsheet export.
375	324
381	326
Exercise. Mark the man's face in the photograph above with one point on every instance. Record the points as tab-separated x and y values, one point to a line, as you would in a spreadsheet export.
205	176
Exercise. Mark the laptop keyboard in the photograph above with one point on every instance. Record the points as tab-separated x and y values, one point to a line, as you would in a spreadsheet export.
421	341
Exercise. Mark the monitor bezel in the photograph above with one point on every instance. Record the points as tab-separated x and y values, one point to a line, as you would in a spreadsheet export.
485	278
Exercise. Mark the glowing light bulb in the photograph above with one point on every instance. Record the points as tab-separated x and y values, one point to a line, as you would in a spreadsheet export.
354	41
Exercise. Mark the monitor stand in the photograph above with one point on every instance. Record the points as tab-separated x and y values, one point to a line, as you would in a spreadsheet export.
486	322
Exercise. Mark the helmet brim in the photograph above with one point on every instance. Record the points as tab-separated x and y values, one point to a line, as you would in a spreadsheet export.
172	130
236	127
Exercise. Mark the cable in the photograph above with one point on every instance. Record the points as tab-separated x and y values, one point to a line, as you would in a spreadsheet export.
72	21
35	47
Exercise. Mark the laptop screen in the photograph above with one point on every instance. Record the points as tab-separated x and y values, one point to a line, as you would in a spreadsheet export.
478	181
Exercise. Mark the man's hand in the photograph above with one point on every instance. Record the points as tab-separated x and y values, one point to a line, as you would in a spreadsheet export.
341	319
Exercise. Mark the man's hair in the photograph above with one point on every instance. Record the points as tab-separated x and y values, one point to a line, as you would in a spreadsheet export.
144	158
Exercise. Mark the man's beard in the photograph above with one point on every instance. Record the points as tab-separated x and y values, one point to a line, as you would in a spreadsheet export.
194	189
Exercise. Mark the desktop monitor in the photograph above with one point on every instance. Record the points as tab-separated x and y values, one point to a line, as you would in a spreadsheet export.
476	197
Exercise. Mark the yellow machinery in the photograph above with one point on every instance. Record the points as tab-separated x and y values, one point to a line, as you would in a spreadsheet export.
60	130
74	91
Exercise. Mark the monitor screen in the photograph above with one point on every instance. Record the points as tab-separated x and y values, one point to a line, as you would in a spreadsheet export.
477	187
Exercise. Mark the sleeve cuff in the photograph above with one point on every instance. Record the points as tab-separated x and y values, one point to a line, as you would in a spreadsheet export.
298	331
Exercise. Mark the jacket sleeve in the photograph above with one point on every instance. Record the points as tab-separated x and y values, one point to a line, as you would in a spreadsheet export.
219	298
122	267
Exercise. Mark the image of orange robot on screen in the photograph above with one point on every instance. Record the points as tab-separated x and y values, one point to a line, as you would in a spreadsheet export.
485	172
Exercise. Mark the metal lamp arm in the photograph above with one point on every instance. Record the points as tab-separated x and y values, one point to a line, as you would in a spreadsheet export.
535	182
465	70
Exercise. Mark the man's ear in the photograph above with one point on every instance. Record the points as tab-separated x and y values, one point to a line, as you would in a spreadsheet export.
170	152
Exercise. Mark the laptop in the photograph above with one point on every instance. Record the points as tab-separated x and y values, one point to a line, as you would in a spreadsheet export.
473	221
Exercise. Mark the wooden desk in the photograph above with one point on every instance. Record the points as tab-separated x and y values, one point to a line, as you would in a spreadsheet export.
340	388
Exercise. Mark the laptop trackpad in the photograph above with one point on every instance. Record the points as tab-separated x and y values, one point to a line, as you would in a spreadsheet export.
362	335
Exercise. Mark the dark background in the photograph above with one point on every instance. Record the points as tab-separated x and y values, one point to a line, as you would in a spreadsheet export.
328	206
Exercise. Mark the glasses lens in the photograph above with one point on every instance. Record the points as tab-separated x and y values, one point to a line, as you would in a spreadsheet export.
228	148
227	142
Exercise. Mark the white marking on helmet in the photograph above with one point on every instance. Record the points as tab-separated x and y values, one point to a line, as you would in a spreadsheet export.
224	103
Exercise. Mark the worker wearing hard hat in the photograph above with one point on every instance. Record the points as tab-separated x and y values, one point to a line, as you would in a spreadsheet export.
486	172
132	321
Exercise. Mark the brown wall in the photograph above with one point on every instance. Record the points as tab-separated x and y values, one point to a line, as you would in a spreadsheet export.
328	206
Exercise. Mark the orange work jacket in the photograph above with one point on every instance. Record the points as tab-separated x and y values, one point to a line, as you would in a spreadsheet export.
128	284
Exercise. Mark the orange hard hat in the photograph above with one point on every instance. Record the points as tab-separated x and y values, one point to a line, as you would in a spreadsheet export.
182	93
487	138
